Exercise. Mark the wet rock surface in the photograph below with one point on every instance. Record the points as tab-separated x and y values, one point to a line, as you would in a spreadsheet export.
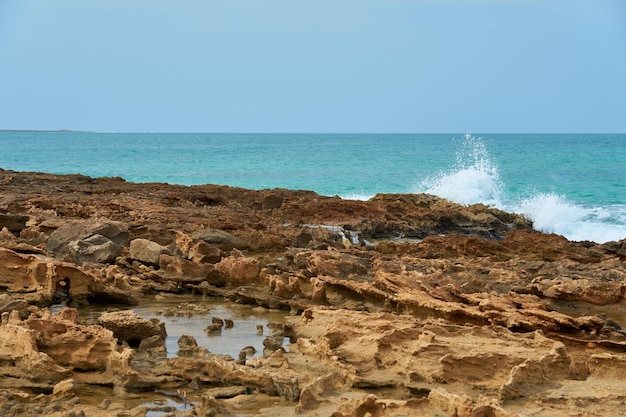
401	305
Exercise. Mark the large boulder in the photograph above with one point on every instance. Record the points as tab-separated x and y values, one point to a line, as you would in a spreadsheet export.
147	251
130	327
96	248
99	241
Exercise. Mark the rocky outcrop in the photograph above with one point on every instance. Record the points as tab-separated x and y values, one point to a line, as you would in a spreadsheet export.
47	281
47	349
401	305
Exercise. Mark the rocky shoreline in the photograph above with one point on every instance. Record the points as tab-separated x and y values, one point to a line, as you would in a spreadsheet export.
402	305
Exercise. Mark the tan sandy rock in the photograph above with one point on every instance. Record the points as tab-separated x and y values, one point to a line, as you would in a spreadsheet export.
130	327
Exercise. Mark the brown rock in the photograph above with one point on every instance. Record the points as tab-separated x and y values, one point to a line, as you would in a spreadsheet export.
15	223
221	239
238	269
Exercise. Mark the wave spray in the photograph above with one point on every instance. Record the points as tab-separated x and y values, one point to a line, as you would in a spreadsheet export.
474	178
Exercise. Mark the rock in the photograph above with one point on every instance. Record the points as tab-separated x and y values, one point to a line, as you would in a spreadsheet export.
21	357
226	392
188	346
46	350
130	327
147	251
15	223
438	308
221	239
313	394
271	202
154	344
64	390
186	342
34	279
271	345
238	269
454	405
219	373
95	248
202	252
184	271
211	407
213	329
618	248
8	304
88	240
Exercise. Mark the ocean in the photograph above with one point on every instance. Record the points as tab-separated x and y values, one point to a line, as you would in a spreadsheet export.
569	184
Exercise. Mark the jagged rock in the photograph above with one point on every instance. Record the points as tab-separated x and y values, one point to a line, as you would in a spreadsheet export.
454	405
64	389
462	298
48	349
184	271
240	270
95	248
21	358
34	279
197	250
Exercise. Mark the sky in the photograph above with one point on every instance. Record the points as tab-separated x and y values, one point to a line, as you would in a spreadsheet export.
386	66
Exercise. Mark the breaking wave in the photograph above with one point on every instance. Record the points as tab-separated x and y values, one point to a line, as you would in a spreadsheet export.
474	178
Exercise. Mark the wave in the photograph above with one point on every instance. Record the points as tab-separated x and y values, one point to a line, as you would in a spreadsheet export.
552	213
475	179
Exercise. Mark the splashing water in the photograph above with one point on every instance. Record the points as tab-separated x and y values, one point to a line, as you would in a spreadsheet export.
474	179
552	213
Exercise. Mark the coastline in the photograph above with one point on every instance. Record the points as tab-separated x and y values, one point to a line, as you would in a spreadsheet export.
405	301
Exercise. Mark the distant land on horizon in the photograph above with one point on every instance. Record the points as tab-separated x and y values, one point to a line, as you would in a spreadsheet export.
47	130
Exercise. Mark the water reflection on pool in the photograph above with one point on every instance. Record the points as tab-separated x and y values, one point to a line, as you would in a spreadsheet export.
174	311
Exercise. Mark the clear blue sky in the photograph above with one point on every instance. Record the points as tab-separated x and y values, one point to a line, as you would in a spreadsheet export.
474	66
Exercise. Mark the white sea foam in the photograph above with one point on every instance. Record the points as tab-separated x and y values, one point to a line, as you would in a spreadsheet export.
357	196
475	179
552	213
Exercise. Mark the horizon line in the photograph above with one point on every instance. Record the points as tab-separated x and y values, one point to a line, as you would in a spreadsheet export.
299	133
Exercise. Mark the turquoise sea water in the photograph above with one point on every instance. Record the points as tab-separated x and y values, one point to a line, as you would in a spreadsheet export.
574	185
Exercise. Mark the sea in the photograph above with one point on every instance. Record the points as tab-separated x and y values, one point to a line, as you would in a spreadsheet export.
573	185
